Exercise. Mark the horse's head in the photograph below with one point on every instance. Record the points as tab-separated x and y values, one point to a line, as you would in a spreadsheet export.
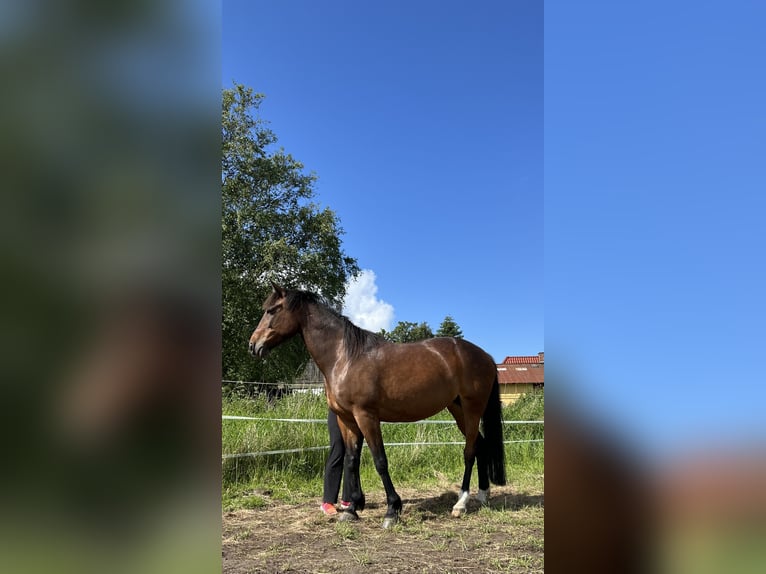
278	323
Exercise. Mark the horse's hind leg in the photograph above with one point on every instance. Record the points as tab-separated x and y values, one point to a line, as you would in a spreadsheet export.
469	426
371	430
481	456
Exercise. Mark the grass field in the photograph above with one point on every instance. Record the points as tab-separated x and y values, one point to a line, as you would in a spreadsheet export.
271	521
293	476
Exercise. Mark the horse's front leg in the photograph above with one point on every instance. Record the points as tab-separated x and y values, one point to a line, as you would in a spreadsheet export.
371	429
353	439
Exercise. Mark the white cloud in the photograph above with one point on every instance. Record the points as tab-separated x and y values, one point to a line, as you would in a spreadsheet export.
363	307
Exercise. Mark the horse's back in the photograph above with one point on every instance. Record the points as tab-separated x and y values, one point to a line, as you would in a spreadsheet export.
473	359
446	357
410	381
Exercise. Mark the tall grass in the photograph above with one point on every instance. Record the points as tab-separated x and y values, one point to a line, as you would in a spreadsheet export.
294	476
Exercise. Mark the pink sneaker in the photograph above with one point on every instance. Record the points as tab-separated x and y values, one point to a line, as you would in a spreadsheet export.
328	509
344	505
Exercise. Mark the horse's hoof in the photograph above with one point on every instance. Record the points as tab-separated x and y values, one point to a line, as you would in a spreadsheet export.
347	516
390	521
458	512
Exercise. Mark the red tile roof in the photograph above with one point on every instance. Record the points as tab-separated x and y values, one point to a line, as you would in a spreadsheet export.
509	374
524	360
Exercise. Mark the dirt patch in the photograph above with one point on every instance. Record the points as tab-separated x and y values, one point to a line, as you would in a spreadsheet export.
507	536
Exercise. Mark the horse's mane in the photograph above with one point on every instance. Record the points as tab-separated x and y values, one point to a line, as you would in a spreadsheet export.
357	341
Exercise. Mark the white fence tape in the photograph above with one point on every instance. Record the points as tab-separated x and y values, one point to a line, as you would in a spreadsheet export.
434	422
292	450
230	382
289	450
238	418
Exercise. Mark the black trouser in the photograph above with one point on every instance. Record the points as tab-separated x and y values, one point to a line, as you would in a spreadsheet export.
333	470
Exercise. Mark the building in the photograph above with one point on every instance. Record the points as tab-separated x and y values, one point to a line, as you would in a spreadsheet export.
520	375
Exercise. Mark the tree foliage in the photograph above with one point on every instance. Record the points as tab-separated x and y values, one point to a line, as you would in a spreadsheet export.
449	328
271	230
408	332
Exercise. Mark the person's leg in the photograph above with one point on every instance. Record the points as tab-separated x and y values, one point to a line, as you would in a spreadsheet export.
333	471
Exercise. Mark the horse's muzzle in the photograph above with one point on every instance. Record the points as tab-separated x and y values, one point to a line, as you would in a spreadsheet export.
258	350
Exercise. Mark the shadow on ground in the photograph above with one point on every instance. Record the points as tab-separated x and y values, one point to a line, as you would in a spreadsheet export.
432	508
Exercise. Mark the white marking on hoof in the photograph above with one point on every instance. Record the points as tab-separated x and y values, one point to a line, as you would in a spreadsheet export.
388	522
347	516
483	496
459	509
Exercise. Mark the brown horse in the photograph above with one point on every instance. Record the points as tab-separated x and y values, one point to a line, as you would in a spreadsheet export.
369	380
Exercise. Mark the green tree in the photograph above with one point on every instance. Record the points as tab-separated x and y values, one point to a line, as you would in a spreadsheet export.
271	230
408	332
449	328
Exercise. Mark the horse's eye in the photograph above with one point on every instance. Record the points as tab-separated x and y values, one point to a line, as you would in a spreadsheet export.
272	310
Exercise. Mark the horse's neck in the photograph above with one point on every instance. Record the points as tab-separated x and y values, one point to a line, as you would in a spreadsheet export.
323	335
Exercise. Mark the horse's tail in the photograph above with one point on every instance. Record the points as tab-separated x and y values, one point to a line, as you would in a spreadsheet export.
493	436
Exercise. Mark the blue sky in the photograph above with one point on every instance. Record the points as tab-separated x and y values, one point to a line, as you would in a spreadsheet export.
423	121
654	209
424	124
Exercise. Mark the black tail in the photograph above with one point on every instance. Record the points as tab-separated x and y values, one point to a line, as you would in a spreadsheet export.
493	436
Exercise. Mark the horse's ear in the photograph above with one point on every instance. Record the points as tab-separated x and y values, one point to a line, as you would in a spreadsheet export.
278	290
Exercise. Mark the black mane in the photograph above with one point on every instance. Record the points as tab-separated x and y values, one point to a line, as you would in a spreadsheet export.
357	341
